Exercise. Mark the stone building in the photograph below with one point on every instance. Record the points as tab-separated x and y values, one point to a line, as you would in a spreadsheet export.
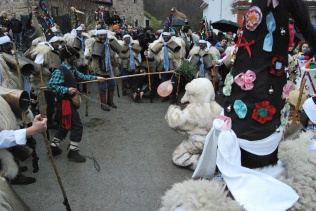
130	11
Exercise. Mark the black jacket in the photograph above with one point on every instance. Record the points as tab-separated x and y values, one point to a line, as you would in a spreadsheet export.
5	22
16	25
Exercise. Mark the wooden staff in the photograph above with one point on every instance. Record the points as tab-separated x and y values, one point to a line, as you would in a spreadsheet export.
119	77
149	80
50	151
298	103
23	116
214	76
87	91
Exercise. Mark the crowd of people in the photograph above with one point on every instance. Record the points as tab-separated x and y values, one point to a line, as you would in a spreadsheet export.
114	48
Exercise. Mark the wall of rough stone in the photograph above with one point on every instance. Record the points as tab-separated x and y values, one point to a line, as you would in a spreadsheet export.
131	10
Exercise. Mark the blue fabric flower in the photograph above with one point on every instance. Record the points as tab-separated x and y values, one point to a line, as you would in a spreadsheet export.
240	109
285	112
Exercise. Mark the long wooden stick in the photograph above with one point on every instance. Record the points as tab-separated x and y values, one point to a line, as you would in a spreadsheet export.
125	76
298	103
23	115
149	80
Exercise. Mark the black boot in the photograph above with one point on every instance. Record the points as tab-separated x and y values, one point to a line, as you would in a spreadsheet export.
104	107
74	156
54	147
110	98
20	179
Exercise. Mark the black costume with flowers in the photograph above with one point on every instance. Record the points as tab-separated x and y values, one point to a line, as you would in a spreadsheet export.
264	101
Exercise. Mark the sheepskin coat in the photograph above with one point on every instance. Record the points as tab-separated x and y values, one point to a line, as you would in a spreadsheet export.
195	120
299	164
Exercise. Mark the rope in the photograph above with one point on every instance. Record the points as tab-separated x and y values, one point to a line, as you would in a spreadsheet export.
95	162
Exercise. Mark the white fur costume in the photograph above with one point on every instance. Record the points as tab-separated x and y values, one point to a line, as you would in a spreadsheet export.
299	172
195	120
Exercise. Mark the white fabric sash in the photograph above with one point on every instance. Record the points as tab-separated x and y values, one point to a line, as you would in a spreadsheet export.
253	190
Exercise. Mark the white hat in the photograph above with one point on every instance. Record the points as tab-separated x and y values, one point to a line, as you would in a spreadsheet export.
101	31
166	33
309	107
79	28
202	41
53	39
127	35
4	39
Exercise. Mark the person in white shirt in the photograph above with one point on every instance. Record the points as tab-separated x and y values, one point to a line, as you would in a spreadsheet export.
9	138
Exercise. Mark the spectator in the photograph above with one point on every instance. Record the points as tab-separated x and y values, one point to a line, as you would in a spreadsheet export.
16	27
117	31
222	45
211	37
103	16
131	31
4	21
116	19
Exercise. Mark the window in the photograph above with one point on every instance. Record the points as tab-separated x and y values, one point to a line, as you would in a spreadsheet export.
108	2
54	11
147	23
136	23
135	1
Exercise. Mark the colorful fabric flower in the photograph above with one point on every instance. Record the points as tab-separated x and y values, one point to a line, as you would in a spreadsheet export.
285	114
277	66
245	80
240	109
263	112
229	80
253	18
286	90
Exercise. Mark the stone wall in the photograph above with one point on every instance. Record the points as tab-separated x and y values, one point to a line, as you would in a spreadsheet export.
131	10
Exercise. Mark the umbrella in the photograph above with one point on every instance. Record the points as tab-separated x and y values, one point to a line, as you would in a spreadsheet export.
298	37
226	26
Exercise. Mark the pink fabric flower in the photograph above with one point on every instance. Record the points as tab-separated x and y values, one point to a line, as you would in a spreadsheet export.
286	90
245	80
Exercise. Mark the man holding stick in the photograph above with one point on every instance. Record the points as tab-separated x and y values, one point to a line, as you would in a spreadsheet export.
64	83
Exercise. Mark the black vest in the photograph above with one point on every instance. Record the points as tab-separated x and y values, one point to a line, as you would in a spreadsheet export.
70	80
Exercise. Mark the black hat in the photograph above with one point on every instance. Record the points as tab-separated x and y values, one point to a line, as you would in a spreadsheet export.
66	52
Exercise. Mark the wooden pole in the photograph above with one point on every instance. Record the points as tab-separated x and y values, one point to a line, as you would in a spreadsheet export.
23	116
298	103
149	80
119	77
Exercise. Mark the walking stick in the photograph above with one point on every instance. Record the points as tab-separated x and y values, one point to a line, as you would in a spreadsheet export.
149	80
23	116
214	76
298	103
50	151
178	88
87	90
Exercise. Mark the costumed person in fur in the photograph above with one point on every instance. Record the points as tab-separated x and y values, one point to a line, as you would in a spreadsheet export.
76	39
129	61
11	136
10	79
195	120
244	144
64	83
168	52
46	54
202	58
102	51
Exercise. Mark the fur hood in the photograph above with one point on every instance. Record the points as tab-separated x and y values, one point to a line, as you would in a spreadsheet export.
9	76
9	167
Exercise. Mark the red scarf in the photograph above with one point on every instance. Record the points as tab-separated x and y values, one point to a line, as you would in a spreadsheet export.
66	114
